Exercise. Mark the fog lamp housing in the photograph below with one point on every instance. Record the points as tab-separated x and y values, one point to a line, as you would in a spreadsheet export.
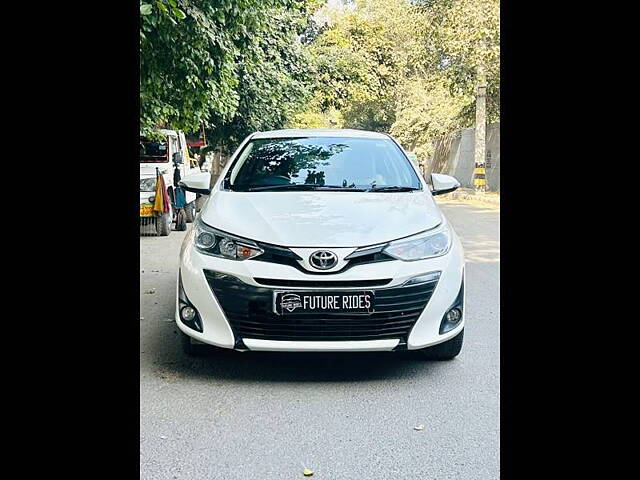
188	314
453	316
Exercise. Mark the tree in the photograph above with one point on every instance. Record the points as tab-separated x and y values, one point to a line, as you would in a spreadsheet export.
427	110
469	43
356	66
188	57
274	80
315	118
409	67
464	38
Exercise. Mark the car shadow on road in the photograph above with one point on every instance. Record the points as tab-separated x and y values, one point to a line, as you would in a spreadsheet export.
221	364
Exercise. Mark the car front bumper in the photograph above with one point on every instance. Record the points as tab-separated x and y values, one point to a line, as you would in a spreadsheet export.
235	310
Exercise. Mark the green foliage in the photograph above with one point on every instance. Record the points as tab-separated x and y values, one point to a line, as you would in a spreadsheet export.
274	80
427	110
408	67
314	118
356	71
192	54
463	45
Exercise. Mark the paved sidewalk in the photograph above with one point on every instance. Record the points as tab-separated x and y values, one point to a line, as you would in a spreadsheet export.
468	195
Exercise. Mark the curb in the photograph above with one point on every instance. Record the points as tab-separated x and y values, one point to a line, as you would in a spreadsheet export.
489	198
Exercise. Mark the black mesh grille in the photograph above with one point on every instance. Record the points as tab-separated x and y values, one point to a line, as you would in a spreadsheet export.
249	311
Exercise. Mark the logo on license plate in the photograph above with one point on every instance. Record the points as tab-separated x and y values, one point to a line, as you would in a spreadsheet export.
290	302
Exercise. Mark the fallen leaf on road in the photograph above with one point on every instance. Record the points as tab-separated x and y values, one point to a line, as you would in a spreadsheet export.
419	428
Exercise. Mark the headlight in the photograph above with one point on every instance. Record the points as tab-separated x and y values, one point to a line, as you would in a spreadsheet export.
148	184
433	243
218	244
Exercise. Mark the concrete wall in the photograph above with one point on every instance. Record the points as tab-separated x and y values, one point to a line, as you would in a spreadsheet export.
454	156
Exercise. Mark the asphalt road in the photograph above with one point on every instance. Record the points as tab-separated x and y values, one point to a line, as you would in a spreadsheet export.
345	416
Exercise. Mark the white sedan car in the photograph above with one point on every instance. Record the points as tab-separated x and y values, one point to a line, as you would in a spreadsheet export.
321	240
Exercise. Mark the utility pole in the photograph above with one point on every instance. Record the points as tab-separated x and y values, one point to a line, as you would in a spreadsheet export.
479	173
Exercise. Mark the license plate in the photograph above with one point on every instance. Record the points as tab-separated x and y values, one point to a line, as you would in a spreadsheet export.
286	303
146	210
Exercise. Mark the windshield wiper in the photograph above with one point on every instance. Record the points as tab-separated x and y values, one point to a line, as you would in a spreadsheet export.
305	186
392	188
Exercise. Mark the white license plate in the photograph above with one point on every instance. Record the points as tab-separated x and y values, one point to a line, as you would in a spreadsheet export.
298	302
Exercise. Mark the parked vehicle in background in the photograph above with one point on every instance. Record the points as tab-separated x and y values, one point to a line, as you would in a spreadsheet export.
322	240
167	153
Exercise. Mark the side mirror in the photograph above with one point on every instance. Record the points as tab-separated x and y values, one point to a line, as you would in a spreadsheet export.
197	183
177	158
443	183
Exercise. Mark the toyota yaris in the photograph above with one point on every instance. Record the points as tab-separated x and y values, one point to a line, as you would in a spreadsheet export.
321	240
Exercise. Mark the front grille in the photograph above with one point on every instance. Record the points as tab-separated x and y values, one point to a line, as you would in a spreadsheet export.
249	311
275	254
322	284
285	256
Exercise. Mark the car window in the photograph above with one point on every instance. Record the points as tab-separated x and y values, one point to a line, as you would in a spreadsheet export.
153	151
335	161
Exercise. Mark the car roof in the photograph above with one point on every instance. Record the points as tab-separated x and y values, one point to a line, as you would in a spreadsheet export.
319	132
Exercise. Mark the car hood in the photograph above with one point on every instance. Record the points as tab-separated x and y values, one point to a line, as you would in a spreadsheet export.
321	219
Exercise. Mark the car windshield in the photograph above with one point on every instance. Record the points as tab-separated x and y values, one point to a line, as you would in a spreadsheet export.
153	151
322	163
148	184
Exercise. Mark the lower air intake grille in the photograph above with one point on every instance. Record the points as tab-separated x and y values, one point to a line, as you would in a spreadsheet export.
249	311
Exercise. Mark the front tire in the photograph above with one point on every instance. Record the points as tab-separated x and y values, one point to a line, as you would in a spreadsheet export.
195	349
445	350
187	346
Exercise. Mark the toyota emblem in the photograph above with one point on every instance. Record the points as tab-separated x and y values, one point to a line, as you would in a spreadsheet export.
323	259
